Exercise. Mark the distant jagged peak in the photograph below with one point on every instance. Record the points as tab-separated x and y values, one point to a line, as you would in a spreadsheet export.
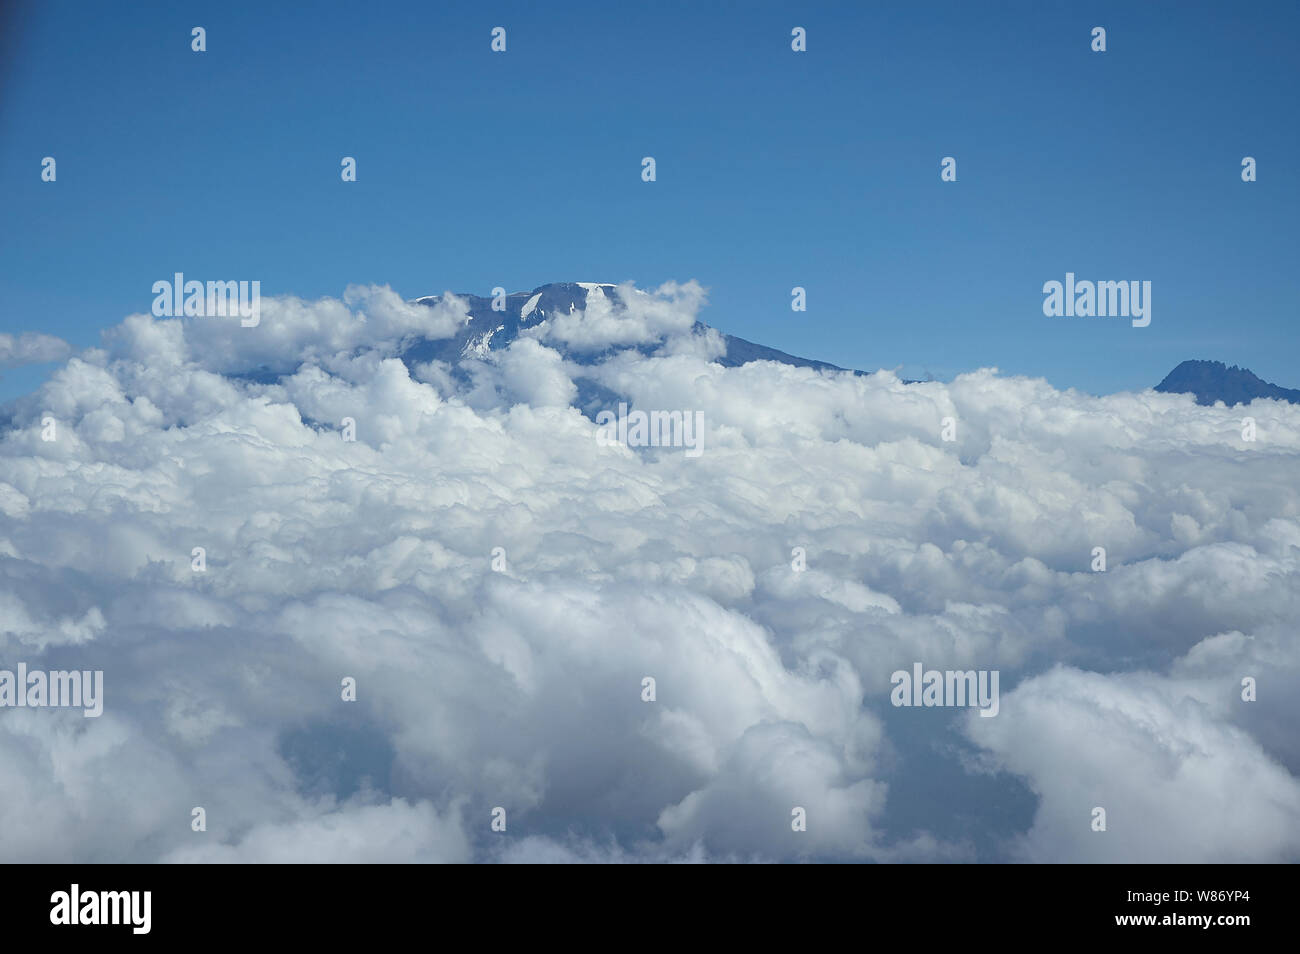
1214	381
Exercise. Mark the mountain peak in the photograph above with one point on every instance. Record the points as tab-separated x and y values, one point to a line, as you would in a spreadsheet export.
491	329
1213	381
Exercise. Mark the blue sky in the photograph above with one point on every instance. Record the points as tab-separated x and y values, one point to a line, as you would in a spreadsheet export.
775	169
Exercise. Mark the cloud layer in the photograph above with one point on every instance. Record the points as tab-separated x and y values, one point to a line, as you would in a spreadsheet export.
521	687
31	347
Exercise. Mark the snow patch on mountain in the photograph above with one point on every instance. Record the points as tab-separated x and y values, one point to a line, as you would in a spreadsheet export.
480	346
530	305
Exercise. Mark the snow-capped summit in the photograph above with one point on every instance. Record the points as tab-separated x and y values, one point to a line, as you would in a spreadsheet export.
488	330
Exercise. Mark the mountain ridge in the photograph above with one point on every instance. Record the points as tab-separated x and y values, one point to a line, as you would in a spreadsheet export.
1214	381
487	330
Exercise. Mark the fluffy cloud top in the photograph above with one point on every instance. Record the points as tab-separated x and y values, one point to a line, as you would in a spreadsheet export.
624	316
520	686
